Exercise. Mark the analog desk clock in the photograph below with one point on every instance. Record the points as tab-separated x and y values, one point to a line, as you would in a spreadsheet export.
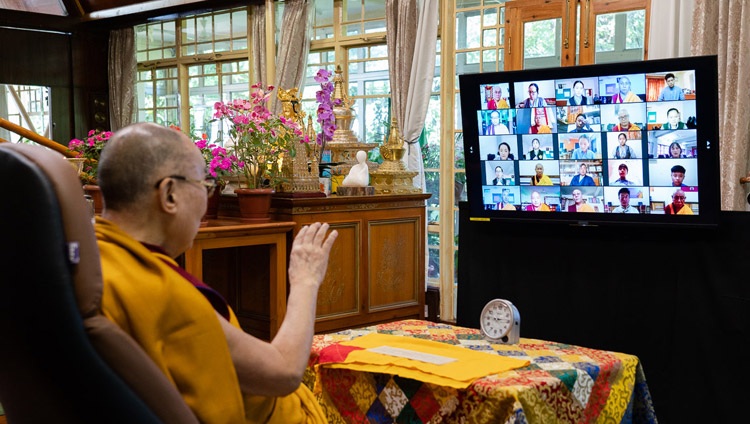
500	322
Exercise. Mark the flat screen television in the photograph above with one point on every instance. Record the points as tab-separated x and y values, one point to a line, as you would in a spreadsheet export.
617	143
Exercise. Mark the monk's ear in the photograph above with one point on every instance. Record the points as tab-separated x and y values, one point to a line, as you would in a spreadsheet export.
167	196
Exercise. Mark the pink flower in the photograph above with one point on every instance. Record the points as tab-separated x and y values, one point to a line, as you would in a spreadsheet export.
259	136
326	118
89	148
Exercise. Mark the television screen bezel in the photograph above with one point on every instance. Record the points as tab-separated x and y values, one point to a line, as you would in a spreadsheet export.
707	138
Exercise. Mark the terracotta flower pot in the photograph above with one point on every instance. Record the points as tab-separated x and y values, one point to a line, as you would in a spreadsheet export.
255	204
212	206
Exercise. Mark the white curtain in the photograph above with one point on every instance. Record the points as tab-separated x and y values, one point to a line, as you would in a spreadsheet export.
291	56
411	36
122	68
720	28
670	28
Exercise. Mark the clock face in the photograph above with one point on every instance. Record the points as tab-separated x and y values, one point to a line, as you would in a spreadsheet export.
500	321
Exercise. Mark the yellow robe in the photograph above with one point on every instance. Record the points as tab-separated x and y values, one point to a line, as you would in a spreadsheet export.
177	327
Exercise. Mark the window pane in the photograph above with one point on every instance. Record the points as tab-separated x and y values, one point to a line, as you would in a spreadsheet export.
489	61
489	38
352	10
459	183
537	36
635	29
375	26
490	17
458	123
433	266
222	46
239	23
467	63
323	20
204	28
377	87
458	151
468	30
375	119
432	185
223	25
605	32
380	51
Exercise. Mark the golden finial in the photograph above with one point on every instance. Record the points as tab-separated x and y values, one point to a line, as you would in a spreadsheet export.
339	90
393	147
311	134
395	139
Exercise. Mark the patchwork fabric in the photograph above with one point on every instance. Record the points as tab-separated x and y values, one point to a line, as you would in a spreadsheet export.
562	384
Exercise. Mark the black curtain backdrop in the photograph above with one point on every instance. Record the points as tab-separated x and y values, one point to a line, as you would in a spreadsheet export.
677	297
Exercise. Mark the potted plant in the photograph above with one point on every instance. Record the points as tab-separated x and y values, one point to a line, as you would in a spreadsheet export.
220	164
259	139
90	149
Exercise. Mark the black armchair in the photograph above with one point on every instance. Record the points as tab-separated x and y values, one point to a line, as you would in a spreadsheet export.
60	359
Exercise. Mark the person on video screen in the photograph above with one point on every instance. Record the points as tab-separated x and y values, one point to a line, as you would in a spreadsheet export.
536	203
539	179
623	151
678	176
495	126
582	124
623	180
506	204
536	152
582	179
678	206
579	205
503	152
497	101
578	98
539	127
675	151
674	121
582	151
533	100
500	177
624	124
671	91
625	95
624	207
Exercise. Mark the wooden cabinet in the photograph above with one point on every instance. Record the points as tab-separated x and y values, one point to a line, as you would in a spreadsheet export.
377	268
247	264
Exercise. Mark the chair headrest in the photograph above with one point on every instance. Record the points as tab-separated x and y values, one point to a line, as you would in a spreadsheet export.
79	233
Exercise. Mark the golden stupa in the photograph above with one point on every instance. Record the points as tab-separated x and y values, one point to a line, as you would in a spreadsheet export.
301	170
345	144
392	176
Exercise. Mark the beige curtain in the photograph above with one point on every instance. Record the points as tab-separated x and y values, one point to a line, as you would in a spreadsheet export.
720	28
410	24
258	32
122	68
670	28
291	56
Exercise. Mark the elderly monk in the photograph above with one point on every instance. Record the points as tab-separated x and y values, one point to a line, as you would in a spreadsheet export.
155	188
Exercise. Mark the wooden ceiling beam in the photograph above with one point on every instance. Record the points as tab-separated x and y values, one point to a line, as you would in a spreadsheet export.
74	8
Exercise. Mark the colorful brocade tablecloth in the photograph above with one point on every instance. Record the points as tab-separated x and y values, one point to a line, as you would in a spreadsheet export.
562	384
